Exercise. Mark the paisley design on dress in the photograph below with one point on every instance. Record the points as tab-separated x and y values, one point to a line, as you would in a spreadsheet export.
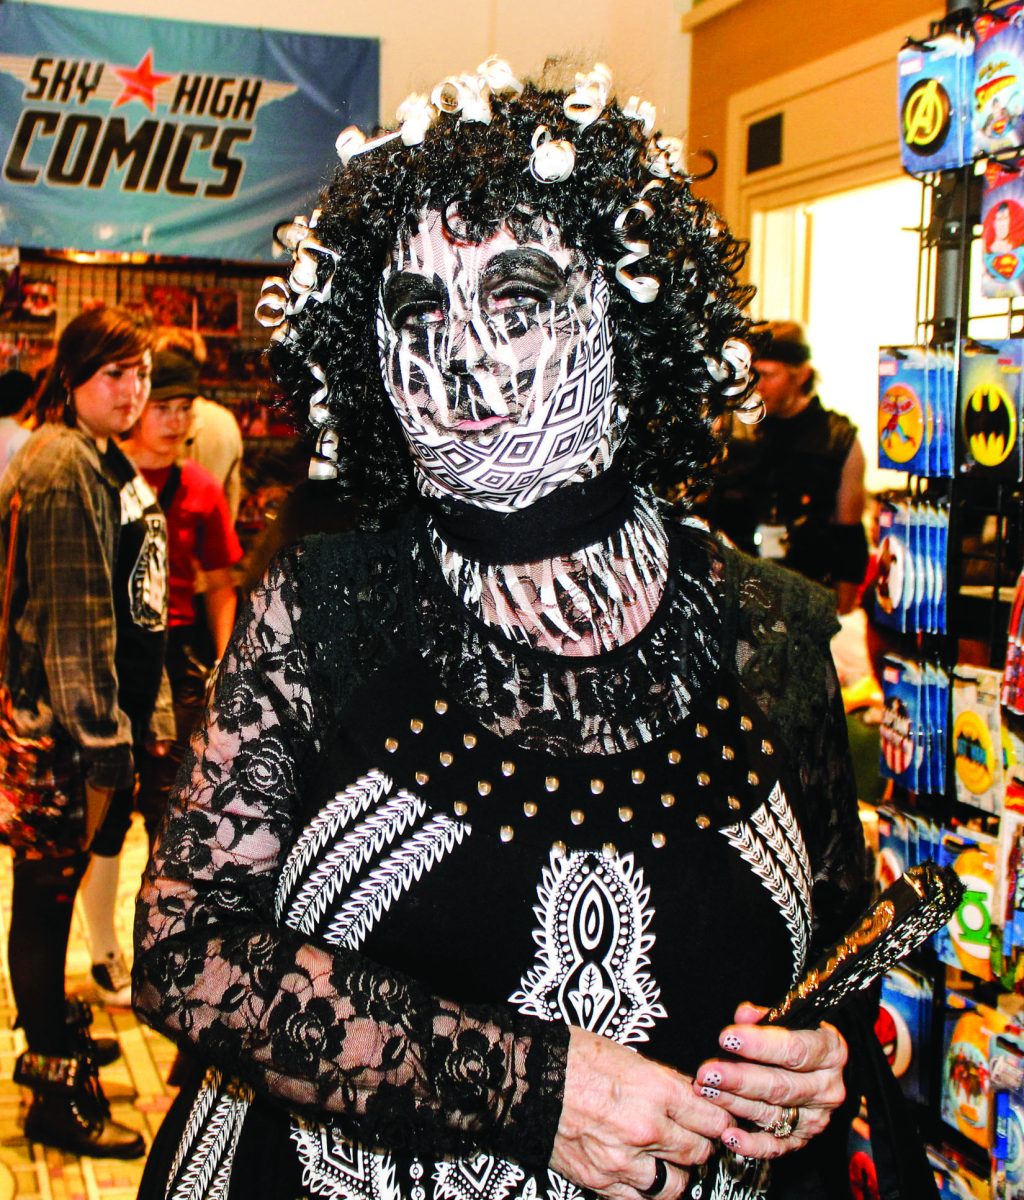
594	911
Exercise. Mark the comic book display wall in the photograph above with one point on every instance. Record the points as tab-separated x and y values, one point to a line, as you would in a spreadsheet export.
39	294
949	604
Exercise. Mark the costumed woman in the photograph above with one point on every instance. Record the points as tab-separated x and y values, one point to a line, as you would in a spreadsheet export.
507	802
86	621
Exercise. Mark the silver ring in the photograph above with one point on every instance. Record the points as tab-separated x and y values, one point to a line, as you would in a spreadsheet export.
658	1182
785	1125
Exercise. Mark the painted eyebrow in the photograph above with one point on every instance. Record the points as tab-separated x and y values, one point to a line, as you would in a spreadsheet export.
526	265
405	288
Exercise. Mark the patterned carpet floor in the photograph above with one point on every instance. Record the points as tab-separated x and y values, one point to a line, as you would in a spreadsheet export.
134	1084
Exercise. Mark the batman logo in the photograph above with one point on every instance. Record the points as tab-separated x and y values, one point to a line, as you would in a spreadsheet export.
990	425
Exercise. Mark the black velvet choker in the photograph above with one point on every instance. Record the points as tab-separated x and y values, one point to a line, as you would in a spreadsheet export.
565	520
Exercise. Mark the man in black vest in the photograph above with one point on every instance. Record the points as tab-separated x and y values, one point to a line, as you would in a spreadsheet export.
791	486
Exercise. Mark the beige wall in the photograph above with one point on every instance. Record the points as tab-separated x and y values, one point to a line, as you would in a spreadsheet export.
424	40
756	40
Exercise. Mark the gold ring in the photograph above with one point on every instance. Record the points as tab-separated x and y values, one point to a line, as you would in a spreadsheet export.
785	1125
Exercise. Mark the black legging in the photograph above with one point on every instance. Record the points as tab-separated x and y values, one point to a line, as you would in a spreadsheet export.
42	904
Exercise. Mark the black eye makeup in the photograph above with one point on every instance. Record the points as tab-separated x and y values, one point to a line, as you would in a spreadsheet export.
410	300
521	277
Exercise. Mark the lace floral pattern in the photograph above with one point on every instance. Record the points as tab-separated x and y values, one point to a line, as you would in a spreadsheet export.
319	1029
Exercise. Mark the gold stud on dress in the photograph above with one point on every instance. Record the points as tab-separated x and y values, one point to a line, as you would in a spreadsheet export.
446	758
416	725
391	745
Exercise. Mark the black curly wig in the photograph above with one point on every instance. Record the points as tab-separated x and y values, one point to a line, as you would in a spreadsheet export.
663	348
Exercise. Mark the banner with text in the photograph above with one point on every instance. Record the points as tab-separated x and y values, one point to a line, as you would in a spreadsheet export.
168	137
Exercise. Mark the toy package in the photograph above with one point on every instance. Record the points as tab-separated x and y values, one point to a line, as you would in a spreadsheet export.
990	408
1002	231
893	852
1007	1069
934	97
903	1027
901	407
894	583
915	410
1009	897
954	1179
977	737
998	115
966	942
913	730
971	1033
901	720
1013	672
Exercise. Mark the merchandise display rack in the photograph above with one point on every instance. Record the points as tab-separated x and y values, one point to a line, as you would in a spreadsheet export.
985	549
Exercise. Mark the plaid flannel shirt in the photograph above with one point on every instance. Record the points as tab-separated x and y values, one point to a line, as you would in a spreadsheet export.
63	631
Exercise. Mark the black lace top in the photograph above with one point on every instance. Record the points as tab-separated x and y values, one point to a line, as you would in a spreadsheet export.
391	808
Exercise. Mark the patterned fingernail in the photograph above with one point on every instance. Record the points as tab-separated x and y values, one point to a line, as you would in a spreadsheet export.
712	1092
732	1141
731	1042
712	1078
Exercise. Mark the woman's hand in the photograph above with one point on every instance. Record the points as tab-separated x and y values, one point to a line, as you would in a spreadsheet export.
620	1112
785	1070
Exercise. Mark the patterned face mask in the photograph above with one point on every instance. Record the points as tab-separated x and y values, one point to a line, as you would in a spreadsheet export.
497	356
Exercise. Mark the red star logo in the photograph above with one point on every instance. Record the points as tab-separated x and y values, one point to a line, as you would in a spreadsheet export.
140	83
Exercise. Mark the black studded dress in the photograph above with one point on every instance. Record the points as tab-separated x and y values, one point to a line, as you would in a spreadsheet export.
409	855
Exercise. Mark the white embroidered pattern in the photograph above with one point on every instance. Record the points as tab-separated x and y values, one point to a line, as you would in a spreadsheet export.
594	912
782	866
340	1169
339	867
211	1157
331	1166
481	1178
395	874
355	800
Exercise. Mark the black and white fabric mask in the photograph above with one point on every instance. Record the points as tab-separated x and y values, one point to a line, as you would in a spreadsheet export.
498	358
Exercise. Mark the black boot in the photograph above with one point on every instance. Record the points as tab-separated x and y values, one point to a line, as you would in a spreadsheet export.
69	1110
102	1050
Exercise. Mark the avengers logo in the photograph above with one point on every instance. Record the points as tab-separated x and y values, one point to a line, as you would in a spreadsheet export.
990	424
925	118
